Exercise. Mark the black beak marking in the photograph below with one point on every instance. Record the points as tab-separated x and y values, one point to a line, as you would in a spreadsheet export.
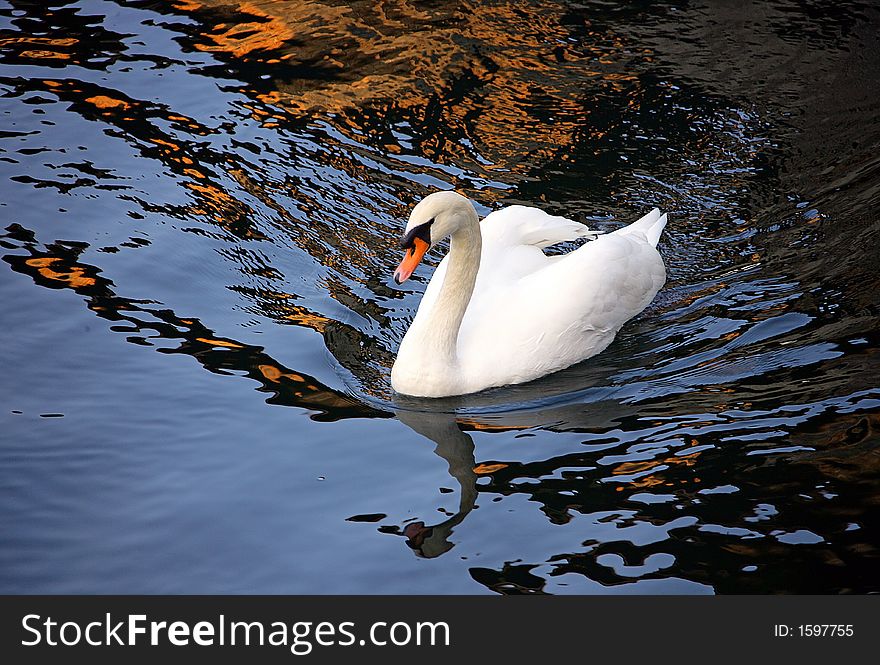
422	232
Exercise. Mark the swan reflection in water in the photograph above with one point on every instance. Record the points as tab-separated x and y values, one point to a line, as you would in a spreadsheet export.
446	429
457	448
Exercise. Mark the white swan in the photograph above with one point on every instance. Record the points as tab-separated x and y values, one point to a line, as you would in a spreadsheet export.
499	311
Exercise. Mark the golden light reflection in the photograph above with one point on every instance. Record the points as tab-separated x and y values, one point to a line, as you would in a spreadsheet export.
48	41
41	48
525	101
57	267
681	459
303	317
484	426
841	453
186	5
105	102
73	275
137	119
486	469
240	39
225	343
39	54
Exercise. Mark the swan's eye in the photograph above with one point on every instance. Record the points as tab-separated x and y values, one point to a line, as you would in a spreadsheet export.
422	232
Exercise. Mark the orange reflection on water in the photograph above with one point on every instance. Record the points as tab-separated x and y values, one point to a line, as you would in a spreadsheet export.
239	39
681	459
39	54
486	469
56	266
219	342
467	424
105	102
46	47
73	275
303	317
507	79
47	41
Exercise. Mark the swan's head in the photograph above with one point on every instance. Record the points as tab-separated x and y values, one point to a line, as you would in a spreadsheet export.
437	216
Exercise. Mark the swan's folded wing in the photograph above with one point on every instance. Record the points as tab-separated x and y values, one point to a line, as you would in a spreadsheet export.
602	284
524	225
565	312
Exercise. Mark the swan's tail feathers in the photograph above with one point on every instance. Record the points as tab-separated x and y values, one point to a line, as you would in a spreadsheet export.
653	233
651	226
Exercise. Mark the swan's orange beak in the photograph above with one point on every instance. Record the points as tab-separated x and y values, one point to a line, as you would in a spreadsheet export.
410	260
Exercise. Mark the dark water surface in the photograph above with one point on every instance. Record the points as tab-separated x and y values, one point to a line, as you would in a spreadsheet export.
200	202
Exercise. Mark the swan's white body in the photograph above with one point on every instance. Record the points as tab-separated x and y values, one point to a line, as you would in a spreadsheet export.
528	314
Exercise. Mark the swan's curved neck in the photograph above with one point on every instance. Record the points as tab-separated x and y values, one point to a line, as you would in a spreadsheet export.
439	331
